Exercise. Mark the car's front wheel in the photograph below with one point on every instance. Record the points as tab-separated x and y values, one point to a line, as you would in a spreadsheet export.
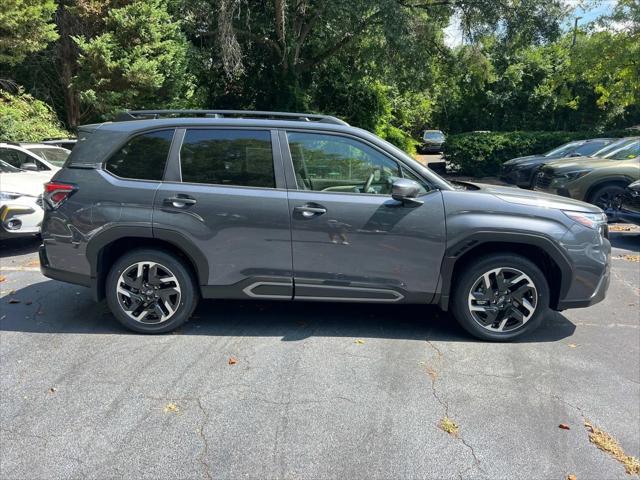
606	197
151	291
500	297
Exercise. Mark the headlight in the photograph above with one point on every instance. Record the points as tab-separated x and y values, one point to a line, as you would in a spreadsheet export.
591	220
569	177
10	195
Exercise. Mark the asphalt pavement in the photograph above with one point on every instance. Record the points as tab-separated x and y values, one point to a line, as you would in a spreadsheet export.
310	390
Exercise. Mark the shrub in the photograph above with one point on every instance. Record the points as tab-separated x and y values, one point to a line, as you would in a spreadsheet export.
481	154
25	119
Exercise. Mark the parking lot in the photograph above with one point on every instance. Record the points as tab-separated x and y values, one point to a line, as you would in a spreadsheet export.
306	390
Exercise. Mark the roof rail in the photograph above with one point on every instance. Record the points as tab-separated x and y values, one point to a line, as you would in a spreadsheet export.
152	114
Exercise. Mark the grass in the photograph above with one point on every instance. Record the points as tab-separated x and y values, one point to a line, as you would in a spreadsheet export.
607	443
449	426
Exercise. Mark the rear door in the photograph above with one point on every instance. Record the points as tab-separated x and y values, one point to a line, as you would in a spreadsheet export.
351	241
224	198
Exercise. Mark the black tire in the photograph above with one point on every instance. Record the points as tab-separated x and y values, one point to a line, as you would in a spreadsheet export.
468	279
605	196
184	302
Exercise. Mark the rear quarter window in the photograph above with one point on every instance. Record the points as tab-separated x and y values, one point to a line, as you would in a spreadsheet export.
143	157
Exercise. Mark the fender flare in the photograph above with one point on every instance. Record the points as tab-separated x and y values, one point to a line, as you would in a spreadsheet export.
176	239
474	239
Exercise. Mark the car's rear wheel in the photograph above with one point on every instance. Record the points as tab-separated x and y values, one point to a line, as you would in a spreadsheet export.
606	196
500	297
151	291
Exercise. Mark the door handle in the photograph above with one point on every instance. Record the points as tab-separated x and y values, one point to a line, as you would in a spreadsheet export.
310	210
180	201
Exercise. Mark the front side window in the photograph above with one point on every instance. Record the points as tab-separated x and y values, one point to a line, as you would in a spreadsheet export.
228	157
143	157
330	163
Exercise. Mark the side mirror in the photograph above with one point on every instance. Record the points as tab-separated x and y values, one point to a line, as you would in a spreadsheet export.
29	166
405	191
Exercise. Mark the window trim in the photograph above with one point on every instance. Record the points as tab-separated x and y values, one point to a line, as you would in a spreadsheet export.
103	164
290	172
175	172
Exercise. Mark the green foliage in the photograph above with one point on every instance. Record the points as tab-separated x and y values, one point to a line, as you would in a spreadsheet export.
26	26
140	61
481	154
25	119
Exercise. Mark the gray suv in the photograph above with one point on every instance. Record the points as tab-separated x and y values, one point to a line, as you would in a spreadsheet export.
161	208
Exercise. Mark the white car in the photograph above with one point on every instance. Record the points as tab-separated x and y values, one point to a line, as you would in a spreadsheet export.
20	201
34	156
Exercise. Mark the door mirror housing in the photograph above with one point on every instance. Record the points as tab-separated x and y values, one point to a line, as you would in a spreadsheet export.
30	166
406	191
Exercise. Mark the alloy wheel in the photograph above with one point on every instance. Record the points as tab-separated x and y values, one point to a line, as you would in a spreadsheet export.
148	292
503	299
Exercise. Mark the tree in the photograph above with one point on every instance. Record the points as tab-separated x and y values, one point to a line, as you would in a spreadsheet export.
138	61
25	119
26	26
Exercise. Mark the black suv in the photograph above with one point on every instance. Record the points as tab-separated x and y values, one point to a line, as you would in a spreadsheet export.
165	207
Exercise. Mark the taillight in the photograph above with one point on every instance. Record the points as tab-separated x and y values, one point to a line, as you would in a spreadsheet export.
56	192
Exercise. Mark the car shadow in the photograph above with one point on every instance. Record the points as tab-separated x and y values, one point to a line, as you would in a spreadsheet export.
625	240
54	307
11	247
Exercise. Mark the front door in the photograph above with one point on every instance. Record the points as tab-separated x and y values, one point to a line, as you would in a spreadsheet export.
224	199
351	241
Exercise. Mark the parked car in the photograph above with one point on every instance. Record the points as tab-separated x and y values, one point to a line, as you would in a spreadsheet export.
432	141
628	204
597	180
67	143
20	201
522	171
33	156
154	214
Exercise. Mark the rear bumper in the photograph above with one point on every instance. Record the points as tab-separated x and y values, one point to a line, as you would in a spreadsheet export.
63	275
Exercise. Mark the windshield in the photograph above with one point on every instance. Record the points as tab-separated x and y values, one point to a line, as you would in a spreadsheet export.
55	156
588	148
6	168
627	153
613	147
562	150
437	136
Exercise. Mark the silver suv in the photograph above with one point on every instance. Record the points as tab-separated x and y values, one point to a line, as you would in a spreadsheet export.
161	208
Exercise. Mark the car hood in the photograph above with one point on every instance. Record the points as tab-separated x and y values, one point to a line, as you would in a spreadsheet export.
27	183
534	198
577	163
529	159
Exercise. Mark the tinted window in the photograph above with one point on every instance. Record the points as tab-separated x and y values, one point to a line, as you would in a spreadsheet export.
330	163
143	157
228	157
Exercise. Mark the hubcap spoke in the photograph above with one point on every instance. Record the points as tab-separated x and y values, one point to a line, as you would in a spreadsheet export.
148	292
503	299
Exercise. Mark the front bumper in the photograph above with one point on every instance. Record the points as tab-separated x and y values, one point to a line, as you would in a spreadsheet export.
20	218
521	177
598	295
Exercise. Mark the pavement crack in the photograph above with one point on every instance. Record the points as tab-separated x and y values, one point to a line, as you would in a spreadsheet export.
202	459
434	374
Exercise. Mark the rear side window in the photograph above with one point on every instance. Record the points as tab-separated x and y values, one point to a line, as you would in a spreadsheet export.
143	157
228	157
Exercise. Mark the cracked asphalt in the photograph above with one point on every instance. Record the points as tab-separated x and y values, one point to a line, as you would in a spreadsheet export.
318	390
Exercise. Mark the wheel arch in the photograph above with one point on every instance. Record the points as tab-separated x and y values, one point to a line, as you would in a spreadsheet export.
618	180
554	263
103	251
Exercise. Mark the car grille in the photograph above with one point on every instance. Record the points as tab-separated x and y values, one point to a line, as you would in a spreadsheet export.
542	181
